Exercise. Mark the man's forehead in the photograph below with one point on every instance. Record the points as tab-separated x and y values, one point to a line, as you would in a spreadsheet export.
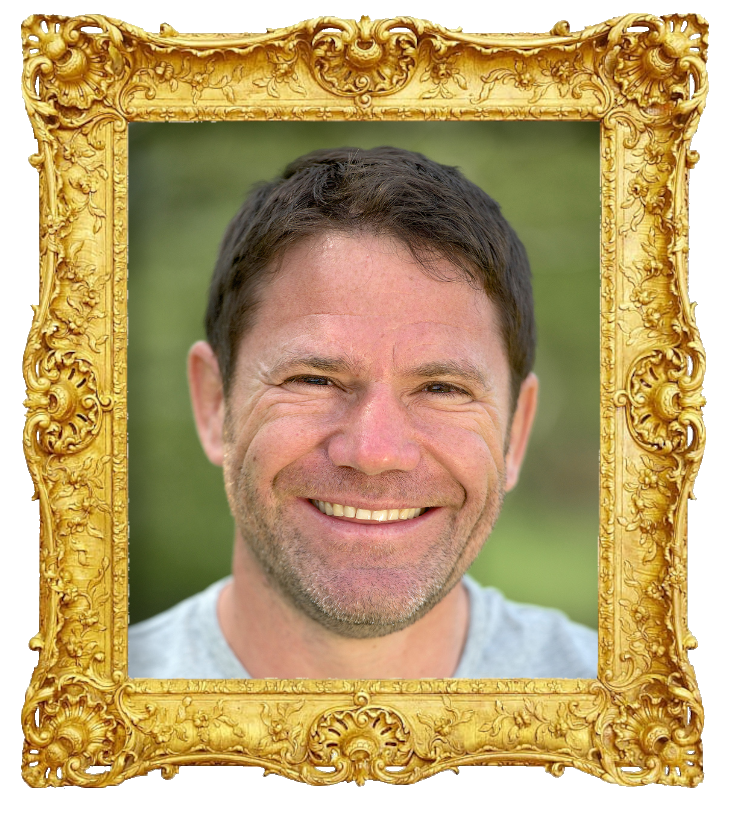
342	301
367	274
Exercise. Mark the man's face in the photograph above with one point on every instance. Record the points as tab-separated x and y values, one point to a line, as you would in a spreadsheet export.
368	387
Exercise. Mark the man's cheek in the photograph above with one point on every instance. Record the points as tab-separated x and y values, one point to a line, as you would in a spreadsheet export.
278	445
476	460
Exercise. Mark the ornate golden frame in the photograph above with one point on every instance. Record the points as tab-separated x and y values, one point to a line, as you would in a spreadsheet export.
86	723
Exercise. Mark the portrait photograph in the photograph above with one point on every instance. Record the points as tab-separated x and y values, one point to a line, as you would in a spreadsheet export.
187	181
359	443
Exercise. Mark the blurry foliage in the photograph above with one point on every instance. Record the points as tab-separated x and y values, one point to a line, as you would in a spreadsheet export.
188	180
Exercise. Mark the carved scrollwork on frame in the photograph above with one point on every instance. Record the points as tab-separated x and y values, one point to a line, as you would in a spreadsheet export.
70	67
70	727
654	66
655	736
361	742
364	59
643	78
664	402
66	409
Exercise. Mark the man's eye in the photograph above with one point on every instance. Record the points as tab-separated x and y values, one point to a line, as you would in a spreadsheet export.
445	389
308	379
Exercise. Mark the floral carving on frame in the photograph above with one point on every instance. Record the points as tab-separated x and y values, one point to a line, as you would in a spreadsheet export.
85	722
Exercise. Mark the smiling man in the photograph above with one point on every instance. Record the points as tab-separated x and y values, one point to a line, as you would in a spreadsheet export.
367	388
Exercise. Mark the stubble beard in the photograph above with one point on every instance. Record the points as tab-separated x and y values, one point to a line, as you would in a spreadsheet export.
393	600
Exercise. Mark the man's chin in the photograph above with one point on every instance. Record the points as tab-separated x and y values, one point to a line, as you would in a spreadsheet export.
360	607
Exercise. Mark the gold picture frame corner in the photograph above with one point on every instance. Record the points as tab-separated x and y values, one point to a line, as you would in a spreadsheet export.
85	78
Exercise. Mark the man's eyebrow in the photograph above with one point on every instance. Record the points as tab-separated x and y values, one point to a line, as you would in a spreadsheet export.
449	367
331	365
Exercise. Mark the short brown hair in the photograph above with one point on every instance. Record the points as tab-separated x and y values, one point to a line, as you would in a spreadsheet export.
431	208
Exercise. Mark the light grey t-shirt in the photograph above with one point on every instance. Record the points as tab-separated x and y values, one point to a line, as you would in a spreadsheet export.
505	640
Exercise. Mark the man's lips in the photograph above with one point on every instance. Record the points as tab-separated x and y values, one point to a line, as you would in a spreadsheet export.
368	514
338	538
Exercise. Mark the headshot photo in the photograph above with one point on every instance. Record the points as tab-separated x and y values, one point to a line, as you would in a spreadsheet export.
363	400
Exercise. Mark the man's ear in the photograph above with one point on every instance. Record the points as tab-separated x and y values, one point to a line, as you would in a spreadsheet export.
207	398
521	426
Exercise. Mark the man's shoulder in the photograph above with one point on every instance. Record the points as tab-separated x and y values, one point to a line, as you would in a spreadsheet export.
184	642
507	639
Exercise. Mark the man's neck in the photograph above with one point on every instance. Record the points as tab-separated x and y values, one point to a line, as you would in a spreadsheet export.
272	638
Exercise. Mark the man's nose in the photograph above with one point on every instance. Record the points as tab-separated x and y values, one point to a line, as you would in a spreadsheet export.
376	435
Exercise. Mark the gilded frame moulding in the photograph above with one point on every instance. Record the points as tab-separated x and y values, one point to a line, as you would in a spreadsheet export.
85	721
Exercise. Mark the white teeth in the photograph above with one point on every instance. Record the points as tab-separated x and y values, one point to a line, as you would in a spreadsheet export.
380	515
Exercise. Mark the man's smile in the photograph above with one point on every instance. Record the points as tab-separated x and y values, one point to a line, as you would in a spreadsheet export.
363	514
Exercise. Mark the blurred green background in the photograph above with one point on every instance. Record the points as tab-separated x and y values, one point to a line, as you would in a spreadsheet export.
187	181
